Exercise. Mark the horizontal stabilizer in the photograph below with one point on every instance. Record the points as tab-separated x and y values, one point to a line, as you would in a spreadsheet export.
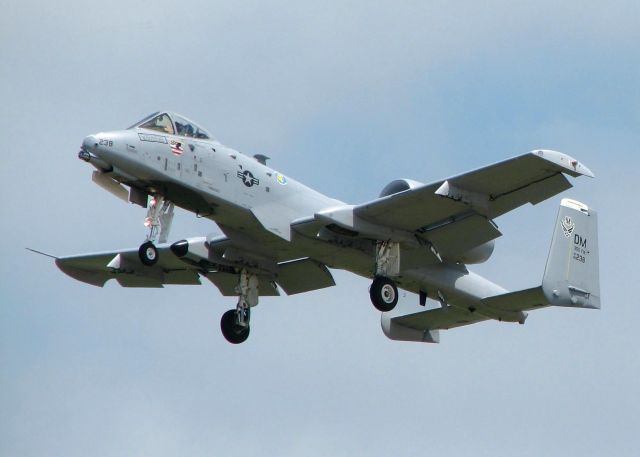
521	300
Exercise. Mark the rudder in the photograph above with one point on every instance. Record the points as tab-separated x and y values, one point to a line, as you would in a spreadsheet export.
571	276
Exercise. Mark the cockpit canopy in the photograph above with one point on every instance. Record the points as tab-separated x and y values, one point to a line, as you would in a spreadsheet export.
172	124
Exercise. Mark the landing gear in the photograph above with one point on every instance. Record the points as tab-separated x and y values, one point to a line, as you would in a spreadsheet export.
148	253
235	322
159	218
383	293
383	290
232	331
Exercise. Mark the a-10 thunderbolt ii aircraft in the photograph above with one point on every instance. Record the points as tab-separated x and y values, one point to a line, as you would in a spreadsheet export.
282	235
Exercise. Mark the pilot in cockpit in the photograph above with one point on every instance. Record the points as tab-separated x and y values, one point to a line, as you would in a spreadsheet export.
161	123
185	129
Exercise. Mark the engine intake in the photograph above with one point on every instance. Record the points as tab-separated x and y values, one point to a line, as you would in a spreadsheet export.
399	185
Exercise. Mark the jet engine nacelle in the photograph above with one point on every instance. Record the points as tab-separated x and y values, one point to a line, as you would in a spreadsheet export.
476	255
399	185
479	254
195	249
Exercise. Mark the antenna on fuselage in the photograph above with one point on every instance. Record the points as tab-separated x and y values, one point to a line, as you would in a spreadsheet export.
261	158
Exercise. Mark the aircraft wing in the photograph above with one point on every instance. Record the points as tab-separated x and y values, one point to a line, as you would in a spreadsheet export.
485	193
451	216
125	267
294	276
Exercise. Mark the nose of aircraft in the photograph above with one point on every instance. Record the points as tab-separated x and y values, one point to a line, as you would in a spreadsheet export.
90	143
89	152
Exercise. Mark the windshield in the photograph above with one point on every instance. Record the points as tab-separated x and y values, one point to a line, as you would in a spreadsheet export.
187	128
143	120
160	123
173	124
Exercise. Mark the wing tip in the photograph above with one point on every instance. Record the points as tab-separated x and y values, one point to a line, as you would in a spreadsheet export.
570	165
88	277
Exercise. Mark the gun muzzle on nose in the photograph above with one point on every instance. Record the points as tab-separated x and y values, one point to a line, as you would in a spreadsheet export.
97	162
87	153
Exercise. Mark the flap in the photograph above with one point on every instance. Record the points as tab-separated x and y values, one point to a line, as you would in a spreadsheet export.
303	275
227	282
461	235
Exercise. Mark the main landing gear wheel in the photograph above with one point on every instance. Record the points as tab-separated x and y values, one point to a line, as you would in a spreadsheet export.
148	253
383	293
233	332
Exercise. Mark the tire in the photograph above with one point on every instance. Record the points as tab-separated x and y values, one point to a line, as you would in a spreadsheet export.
383	293
148	253
232	332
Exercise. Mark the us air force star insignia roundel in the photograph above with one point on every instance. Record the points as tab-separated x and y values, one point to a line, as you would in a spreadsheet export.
248	179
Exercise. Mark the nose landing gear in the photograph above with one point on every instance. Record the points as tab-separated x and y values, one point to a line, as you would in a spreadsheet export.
159	218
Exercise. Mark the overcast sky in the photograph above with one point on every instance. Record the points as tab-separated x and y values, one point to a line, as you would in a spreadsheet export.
345	97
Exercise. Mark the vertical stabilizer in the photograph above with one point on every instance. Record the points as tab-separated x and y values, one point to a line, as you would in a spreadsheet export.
571	276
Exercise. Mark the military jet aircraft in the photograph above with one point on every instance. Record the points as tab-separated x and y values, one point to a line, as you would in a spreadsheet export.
279	235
